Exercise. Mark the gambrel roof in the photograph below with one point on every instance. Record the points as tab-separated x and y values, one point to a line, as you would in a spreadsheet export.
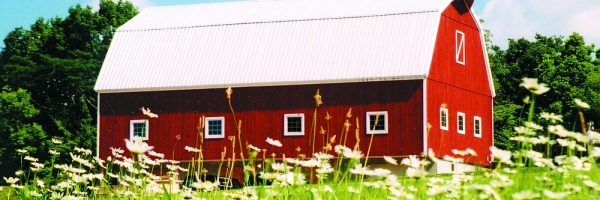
276	42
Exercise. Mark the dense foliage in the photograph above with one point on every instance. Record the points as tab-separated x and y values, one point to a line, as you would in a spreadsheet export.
52	68
569	66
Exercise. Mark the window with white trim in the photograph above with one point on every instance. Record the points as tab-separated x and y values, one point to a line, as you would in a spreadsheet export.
444	118
460	120
377	121
477	127
139	128
214	127
460	47
293	124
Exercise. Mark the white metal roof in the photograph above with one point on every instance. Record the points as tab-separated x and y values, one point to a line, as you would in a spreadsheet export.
272	43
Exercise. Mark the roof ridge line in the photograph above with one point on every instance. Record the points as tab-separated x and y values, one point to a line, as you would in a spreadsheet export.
282	21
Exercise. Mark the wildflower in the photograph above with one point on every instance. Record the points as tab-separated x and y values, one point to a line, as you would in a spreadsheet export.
353	190
551	117
471	152
40	183
56	141
21	151
11	180
323	156
526	195
360	170
452	159
83	151
458	152
34	193
192	149
415	173
533	86
381	172
533	126
340	149
253	148
437	189
54	152
411	161
592	184
555	195
32	159
291	178
156	154
116	151
501	155
274	142
325	168
19	172
581	104
229	91
137	147
37	165
206	185
353	154
280	167
147	112
390	160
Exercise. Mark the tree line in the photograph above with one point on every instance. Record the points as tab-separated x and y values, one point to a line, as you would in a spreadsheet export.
48	72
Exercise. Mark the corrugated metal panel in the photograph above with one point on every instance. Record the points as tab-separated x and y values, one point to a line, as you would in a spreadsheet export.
271	11
385	46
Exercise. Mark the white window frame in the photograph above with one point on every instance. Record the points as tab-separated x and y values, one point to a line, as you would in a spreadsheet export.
382	114
460	48
285	124
445	111
146	128
207	127
475	128
460	123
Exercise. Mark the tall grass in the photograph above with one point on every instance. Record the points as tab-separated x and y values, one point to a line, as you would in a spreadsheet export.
334	172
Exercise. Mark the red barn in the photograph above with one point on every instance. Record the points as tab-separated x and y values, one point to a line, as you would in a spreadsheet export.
420	65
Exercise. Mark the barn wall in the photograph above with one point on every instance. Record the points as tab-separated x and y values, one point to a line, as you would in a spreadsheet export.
461	88
261	110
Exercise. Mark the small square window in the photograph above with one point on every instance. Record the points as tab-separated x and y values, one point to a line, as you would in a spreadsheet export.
138	128
460	47
460	119
293	124
477	131
378	122
214	127
444	118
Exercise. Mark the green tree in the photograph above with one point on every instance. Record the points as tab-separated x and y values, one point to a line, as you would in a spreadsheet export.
566	65
57	61
17	129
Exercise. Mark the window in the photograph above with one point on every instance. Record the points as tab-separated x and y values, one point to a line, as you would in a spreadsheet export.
444	118
138	128
378	122
460	119
293	124
477	131
214	127
460	47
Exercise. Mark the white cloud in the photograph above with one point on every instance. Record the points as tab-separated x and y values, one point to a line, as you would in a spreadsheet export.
524	18
139	4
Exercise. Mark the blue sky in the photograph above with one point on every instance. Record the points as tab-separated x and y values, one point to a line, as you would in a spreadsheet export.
504	18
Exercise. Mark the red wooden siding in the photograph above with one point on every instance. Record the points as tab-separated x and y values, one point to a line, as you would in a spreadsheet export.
262	109
461	88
